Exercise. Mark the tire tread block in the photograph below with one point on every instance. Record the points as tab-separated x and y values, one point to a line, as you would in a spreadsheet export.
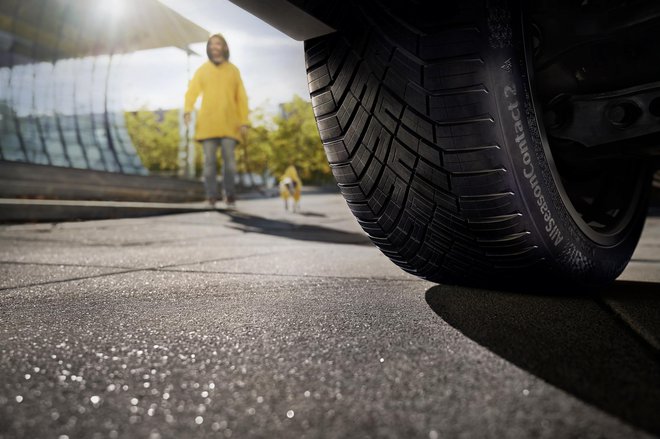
408	134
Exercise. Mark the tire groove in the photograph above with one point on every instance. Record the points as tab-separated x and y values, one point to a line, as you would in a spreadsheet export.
404	200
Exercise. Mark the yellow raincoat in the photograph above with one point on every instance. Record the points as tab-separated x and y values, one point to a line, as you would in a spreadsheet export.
224	101
291	174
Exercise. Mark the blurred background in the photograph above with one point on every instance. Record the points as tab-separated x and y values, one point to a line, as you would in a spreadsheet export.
94	87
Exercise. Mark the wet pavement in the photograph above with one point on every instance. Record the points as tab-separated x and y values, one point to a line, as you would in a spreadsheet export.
262	323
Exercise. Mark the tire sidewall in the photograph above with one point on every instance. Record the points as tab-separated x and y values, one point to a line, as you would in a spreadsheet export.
571	253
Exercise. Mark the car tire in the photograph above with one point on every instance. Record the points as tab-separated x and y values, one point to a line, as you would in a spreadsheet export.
430	128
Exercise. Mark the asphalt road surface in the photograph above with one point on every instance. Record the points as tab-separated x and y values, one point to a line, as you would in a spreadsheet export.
262	323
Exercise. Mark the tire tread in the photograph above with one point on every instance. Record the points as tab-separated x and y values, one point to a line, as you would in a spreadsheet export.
402	118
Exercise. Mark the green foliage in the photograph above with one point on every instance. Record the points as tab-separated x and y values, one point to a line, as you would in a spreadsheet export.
273	143
156	142
256	156
295	141
290	138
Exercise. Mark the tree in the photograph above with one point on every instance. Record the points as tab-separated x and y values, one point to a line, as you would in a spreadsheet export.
295	141
156	142
257	155
273	144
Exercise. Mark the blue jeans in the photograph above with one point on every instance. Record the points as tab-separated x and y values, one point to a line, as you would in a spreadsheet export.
227	145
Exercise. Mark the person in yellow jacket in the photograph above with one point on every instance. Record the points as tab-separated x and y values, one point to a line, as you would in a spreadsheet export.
222	120
291	187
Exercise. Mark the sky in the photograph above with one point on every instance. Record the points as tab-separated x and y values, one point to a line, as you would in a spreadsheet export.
272	64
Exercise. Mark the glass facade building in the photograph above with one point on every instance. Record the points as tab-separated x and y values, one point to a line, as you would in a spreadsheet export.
58	95
62	114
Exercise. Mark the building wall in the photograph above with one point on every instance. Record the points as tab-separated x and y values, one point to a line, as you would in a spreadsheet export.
64	113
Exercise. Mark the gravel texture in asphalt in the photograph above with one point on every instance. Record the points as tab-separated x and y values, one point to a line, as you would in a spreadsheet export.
262	323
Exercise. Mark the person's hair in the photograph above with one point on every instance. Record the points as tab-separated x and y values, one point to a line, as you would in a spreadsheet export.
208	46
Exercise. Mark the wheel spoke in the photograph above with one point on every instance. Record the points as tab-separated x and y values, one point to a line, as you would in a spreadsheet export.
596	71
600	119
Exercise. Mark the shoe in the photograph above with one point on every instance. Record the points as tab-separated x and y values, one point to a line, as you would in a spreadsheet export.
212	202
231	201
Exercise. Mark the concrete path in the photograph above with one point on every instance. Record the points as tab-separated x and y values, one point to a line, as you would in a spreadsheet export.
262	323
